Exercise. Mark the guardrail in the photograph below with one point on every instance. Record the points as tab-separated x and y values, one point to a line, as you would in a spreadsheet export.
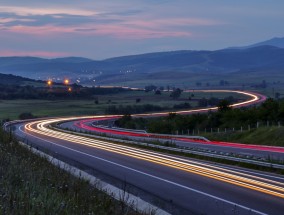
119	129
151	135
206	154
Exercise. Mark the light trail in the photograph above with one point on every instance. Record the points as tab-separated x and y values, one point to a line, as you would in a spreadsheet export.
252	182
254	98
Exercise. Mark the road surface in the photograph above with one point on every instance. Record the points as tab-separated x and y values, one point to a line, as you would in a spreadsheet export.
188	186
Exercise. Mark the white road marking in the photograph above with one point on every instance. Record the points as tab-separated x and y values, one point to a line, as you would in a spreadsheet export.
152	176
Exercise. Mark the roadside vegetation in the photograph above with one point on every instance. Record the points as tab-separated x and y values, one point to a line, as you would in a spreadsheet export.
31	185
273	136
247	125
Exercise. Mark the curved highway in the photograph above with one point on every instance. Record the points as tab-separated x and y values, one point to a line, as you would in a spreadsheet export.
183	141
177	184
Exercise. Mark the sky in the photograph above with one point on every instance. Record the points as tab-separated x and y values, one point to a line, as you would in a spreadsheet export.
110	28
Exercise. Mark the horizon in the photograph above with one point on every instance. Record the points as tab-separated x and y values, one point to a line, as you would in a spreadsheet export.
137	54
101	30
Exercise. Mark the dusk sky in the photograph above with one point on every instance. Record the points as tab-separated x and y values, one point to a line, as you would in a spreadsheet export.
103	29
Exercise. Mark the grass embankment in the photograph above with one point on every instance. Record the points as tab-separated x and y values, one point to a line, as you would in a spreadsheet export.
273	136
31	185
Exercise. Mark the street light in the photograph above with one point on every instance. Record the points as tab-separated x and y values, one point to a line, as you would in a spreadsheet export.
69	89
66	81
49	83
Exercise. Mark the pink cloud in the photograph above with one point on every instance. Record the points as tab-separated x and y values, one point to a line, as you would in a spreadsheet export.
38	30
127	29
26	11
118	31
137	33
164	23
46	54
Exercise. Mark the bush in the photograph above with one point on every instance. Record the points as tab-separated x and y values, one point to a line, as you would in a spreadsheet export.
26	115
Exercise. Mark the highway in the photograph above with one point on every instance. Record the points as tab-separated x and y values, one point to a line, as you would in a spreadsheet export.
176	184
258	151
189	186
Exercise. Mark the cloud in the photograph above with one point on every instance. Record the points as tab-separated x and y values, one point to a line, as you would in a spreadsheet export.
113	26
46	54
11	20
30	11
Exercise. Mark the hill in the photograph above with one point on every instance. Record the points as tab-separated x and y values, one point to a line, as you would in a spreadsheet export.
16	80
171	67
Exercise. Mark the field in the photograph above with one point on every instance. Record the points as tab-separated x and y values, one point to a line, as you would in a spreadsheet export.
13	108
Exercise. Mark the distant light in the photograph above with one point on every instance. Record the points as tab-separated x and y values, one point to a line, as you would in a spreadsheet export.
66	81
69	89
49	82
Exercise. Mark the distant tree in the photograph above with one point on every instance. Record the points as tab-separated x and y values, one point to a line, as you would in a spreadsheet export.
223	83
150	88
224	105
161	88
168	88
158	92
176	93
26	115
172	115
213	101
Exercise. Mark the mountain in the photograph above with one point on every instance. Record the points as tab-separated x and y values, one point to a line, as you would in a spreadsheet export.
175	66
277	42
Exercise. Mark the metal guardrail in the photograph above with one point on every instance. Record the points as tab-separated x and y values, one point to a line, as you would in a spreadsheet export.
119	129
152	135
206	154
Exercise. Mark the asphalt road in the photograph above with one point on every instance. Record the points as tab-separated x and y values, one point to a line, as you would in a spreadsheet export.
189	186
259	151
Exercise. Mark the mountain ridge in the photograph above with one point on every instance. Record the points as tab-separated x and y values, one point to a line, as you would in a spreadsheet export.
137	67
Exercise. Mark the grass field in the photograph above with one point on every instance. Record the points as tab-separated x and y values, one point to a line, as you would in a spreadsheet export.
12	108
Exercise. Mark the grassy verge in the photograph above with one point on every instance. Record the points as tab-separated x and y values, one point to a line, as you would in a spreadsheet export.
31	185
273	136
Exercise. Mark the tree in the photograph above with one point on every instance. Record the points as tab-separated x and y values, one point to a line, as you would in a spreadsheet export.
158	92
150	88
138	100
168	88
26	115
176	93
224	106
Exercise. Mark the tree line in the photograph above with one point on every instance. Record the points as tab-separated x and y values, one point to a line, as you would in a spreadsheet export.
271	111
73	91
